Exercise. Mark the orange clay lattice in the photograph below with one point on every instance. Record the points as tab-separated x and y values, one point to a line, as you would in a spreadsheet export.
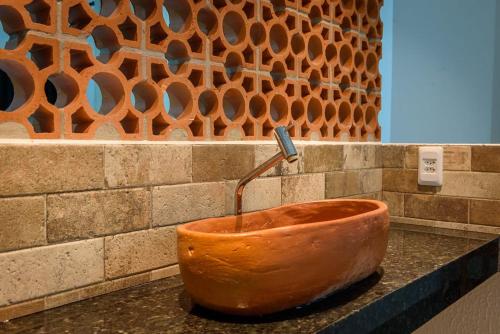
230	69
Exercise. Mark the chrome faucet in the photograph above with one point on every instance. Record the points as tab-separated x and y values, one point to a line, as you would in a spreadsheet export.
287	151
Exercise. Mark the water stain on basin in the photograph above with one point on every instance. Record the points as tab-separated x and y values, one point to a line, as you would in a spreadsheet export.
268	261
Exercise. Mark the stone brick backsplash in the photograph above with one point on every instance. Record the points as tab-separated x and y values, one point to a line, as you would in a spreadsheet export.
469	198
86	218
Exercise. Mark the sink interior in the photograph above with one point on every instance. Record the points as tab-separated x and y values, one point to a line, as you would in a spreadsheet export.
289	215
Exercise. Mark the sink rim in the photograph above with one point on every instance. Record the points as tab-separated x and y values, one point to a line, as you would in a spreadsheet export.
185	229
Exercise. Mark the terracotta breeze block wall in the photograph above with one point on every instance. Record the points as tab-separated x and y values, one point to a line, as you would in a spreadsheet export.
469	198
78	220
231	69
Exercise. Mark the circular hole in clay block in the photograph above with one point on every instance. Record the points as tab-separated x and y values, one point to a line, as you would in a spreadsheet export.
233	104
208	103
207	21
278	73
177	55
345	113
371	117
298	44
358	115
16	85
103	42
315	15
143	8
314	109
330	52
278	108
103	7
177	14
278	38
177	100
104	92
233	27
359	61
298	109
345	83
61	89
345	56
314	79
143	96
233	66
372	9
257	33
372	33
315	49
330	112
12	29
371	63
257	106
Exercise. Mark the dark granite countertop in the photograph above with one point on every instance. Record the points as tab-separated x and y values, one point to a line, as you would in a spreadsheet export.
425	270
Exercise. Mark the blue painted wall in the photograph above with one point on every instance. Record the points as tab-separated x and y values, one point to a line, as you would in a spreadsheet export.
495	115
442	74
385	67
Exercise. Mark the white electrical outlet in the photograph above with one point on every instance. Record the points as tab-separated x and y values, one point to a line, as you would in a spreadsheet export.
430	166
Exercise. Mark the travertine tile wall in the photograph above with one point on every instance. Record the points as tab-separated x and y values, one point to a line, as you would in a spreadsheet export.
83	219
469	198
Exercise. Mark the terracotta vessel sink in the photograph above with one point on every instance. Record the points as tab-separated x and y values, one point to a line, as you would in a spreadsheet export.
281	257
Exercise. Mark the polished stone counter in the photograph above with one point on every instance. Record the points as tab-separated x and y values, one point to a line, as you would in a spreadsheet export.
425	270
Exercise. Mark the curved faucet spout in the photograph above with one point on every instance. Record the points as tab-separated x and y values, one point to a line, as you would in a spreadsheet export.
287	152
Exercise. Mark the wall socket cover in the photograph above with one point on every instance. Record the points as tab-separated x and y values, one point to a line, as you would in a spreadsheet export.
430	166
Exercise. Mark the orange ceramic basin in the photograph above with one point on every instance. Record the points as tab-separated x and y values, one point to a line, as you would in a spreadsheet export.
281	257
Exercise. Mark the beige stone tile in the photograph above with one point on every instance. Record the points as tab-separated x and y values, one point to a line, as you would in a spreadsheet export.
404	181
353	182
22	222
165	272
260	194
34	169
485	212
454	157
455	183
97	213
63	298
486	158
446	225
36	272
457	158
302	188
140	251
21	309
393	156
395	203
139	165
323	158
437	208
373	196
113	285
362	156
187	202
217	162
127	282
467	184
264	152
